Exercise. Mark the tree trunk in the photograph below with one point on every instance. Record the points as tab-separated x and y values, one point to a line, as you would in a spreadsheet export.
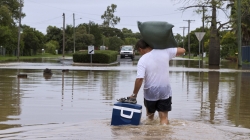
214	43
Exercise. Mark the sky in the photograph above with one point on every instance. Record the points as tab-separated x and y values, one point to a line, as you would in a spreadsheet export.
42	13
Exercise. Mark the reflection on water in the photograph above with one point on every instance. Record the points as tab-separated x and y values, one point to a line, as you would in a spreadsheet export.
82	100
213	84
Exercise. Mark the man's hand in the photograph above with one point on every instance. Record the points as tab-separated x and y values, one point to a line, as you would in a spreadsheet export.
180	51
133	96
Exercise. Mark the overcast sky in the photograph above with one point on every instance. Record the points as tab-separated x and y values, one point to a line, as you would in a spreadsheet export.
42	13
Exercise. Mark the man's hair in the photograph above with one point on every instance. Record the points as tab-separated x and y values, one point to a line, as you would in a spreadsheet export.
141	44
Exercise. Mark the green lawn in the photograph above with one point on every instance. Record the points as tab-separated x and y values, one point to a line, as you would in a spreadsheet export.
4	58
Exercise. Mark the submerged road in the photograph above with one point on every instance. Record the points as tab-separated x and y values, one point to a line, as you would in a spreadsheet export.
120	65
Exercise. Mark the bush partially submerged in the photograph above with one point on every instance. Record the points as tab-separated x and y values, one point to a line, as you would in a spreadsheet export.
100	56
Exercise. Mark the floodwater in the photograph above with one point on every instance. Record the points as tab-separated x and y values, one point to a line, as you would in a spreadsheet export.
208	102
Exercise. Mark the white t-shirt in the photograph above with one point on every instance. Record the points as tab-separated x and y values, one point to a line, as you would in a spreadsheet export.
154	68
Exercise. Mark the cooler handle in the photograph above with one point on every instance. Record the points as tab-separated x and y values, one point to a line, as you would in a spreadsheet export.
127	116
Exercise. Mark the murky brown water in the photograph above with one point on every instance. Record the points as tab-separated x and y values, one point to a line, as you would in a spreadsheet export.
207	103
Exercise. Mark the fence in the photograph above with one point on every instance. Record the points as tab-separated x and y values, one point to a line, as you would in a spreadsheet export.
245	52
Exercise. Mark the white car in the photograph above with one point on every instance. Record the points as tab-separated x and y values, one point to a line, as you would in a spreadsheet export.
127	51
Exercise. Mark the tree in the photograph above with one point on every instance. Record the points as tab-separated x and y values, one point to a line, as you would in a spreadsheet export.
33	41
214	43
13	6
105	41
109	19
229	45
96	32
83	40
132	35
125	30
112	32
69	38
245	19
54	33
5	35
8	39
5	17
9	15
130	41
179	40
115	43
51	46
93	29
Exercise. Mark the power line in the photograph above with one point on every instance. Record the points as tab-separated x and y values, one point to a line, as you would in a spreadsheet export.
46	20
152	15
57	7
99	14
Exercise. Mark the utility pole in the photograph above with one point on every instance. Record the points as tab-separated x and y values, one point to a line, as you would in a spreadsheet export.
183	35
74	32
19	30
203	30
89	27
189	36
239	32
63	34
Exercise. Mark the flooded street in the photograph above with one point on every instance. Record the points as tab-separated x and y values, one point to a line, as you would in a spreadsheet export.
208	102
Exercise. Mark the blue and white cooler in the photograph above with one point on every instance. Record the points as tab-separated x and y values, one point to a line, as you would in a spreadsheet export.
126	114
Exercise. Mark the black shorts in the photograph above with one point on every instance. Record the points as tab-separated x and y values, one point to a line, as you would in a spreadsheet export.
160	105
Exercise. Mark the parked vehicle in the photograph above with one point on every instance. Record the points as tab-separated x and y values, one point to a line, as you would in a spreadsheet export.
127	51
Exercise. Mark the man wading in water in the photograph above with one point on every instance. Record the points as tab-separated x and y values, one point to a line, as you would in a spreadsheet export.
153	69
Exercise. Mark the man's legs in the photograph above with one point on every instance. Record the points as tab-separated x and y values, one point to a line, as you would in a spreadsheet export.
150	107
163	107
163	117
150	116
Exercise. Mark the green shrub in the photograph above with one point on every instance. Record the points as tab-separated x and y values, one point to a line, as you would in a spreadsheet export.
100	56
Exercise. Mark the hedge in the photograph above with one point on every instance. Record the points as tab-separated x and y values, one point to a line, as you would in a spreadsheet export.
99	56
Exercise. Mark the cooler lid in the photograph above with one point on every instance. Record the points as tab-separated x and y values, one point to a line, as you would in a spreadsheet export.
135	106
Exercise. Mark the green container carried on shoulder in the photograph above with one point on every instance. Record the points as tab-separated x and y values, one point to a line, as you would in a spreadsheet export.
158	34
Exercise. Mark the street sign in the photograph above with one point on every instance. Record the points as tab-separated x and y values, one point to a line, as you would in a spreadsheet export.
91	50
199	35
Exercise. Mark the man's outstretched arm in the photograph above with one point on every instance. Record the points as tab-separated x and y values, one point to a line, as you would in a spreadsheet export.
180	51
